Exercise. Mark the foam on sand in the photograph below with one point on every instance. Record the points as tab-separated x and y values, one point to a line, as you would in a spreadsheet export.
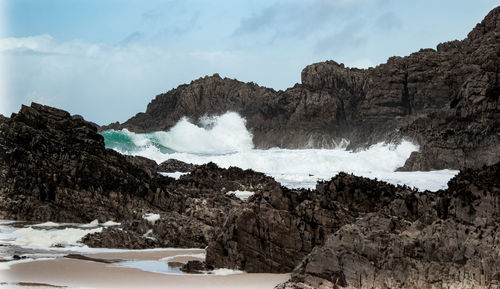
41	238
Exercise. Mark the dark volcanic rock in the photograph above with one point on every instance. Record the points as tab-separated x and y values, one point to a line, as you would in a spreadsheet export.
279	227
358	233
54	166
465	133
459	247
196	218
194	266
446	100
173	165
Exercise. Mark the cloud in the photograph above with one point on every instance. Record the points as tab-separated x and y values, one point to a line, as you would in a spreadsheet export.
289	19
388	21
39	43
316	21
46	45
132	37
107	83
349	37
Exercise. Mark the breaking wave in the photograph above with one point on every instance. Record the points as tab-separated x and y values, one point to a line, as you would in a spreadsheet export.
225	141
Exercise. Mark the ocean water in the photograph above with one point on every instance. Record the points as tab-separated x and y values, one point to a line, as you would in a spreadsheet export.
226	141
50	241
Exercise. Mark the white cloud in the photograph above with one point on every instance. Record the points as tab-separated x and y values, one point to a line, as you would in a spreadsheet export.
107	83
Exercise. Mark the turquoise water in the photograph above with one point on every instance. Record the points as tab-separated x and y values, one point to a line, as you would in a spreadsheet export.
225	141
127	142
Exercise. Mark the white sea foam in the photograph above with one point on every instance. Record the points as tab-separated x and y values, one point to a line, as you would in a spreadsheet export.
225	272
7	265
223	134
175	175
49	224
92	224
243	195
170	258
110	224
225	141
41	238
151	217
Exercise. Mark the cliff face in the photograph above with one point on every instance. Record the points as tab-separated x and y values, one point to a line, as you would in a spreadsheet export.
444	240
446	100
352	232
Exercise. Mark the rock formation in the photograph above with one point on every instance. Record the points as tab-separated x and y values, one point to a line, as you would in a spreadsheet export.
348	232
354	232
54	167
446	100
453	242
173	165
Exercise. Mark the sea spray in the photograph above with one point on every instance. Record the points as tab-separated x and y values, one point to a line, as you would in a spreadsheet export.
225	141
215	135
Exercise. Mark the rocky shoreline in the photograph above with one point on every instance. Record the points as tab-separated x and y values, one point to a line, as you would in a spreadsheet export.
445	99
348	232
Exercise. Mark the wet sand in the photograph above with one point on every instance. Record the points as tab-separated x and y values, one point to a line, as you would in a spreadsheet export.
88	274
146	255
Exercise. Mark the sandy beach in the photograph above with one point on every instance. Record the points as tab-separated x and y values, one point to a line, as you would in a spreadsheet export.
89	274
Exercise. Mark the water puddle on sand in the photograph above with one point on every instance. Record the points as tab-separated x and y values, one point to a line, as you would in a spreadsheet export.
25	242
29	285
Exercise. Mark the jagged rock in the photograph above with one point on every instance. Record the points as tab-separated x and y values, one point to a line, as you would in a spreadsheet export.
456	248
279	227
194	266
196	219
148	165
446	100
173	165
54	166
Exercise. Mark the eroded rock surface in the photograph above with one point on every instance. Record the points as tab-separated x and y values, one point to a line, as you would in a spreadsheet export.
54	167
456	247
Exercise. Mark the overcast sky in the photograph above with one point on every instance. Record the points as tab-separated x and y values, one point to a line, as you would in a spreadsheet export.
106	59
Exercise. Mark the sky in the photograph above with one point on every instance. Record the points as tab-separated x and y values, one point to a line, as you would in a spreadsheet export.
107	59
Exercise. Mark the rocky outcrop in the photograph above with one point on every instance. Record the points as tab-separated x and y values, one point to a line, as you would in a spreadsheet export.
173	165
446	100
455	247
354	232
197	217
467	132
279	227
54	166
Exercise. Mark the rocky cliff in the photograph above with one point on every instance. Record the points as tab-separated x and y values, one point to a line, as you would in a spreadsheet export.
349	232
447	240
53	165
353	232
446	100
